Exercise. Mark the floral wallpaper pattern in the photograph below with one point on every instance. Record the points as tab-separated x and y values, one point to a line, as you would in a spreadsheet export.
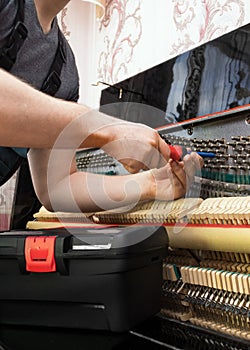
212	20
62	23
118	48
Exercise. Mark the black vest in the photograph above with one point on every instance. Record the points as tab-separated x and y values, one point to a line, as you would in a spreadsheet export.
9	159
26	202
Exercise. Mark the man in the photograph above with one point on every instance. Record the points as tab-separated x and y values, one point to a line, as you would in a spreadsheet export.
34	120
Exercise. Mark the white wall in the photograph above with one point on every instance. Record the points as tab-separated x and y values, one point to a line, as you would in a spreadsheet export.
78	22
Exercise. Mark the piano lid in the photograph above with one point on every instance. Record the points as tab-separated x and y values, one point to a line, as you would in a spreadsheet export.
208	79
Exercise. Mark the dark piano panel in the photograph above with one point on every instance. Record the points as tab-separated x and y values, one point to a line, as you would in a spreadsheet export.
210	78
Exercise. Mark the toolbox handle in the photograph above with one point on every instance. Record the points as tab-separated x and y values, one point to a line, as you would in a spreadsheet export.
40	253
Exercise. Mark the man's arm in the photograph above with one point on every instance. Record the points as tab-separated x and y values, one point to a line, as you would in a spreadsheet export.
60	187
31	119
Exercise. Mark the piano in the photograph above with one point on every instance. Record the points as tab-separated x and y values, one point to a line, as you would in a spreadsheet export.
200	100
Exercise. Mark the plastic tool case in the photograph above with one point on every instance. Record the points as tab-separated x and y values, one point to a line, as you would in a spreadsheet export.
105	279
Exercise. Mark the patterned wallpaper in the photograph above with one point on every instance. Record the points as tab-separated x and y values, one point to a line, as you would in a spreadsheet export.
116	54
202	21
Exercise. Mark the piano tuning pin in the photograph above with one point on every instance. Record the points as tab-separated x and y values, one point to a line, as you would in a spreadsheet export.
120	94
236	138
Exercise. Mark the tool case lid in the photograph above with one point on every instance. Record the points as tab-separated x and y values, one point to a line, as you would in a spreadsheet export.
48	250
142	236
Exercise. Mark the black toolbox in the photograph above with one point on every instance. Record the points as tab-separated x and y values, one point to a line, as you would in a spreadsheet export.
102	279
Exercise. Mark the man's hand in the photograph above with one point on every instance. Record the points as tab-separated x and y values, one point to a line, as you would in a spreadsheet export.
174	179
137	147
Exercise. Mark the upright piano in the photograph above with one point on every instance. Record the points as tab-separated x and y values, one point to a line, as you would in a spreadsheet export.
200	100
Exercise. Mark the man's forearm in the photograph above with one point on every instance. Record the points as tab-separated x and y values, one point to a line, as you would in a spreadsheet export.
29	118
32	119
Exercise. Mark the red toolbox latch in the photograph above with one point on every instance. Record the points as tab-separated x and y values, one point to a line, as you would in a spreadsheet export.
39	253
